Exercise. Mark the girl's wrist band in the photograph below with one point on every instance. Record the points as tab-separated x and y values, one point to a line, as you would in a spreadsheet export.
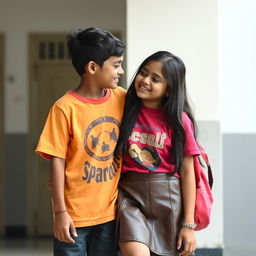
60	212
189	225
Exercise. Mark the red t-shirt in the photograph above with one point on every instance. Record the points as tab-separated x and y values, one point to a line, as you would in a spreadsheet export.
150	143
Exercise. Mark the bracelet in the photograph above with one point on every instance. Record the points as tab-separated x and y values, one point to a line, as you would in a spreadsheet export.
60	212
189	225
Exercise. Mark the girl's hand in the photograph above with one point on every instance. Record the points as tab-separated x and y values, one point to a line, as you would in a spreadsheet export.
187	238
62	224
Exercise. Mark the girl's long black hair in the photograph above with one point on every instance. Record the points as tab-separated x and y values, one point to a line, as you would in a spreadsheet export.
174	72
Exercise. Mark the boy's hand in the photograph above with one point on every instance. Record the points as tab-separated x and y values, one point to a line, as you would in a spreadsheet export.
62	224
188	239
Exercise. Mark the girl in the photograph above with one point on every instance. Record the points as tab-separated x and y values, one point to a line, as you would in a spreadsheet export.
157	190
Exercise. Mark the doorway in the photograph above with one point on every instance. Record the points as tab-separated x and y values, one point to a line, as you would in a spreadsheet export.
51	75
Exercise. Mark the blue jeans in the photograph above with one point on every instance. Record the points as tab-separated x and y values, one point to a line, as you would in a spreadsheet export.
98	240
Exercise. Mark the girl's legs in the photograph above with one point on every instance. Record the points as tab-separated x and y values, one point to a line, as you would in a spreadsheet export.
134	249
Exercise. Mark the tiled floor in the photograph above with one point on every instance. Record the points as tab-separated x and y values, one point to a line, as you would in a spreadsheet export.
28	247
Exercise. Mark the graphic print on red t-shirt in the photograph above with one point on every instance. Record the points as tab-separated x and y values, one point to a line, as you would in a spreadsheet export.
149	146
146	156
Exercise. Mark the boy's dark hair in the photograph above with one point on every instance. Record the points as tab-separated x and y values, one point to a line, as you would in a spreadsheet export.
92	44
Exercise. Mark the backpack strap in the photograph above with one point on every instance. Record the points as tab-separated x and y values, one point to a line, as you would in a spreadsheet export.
206	159
210	177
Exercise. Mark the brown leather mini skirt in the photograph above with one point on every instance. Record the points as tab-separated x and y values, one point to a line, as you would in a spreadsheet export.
150	210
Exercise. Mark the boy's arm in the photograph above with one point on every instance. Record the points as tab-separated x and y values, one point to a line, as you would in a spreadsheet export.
62	221
188	189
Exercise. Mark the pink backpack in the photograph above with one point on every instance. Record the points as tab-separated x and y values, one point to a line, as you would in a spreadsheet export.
204	198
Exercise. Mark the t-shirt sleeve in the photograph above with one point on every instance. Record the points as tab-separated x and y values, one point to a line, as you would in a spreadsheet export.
191	148
55	136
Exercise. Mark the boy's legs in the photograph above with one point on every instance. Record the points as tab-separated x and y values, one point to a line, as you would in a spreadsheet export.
96	240
102	240
73	249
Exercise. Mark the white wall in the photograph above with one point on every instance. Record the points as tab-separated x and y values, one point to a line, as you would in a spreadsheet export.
237	65
188	29
19	18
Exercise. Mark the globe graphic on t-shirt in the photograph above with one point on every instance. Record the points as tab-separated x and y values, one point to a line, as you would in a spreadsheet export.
100	138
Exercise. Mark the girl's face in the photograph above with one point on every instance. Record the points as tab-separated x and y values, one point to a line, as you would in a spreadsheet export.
150	84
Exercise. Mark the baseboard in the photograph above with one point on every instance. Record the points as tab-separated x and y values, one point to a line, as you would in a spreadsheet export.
209	252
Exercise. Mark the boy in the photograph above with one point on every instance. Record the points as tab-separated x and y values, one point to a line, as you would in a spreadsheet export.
79	138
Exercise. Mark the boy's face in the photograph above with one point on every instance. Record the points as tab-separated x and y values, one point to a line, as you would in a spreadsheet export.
108	75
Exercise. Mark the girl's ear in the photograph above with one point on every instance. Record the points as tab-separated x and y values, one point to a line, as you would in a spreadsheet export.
92	67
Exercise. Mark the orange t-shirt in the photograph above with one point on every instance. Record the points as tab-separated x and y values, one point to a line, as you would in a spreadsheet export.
84	132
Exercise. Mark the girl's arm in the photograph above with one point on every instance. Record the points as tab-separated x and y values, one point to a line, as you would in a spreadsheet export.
188	188
62	220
